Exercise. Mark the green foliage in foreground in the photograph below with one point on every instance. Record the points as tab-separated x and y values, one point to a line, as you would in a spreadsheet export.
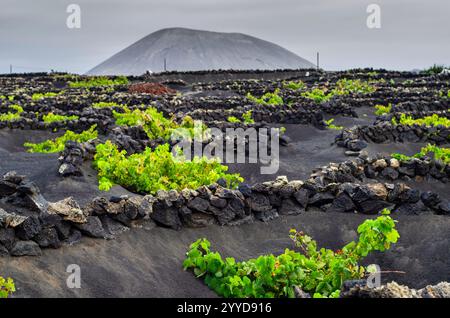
381	110
319	272
107	105
273	99
39	96
330	125
158	169
58	144
7	287
99	81
246	117
51	118
441	154
429	121
12	116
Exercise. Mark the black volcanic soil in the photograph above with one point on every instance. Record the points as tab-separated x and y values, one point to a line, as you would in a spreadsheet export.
147	261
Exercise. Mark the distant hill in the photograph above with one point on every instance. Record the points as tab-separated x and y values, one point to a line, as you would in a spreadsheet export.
194	50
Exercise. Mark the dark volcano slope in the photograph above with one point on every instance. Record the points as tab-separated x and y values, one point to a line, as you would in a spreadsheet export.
192	50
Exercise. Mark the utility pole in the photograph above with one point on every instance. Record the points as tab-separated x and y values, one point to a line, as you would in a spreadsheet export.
165	65
10	68
317	60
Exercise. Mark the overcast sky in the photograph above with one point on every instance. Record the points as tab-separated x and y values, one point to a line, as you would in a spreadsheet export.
413	34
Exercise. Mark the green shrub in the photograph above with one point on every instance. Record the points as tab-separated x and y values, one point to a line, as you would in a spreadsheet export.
7	287
233	119
320	272
151	171
330	125
347	86
441	154
107	105
429	121
58	144
99	81
10	116
153	121
157	126
381	110
343	87
51	118
294	85
272	99
246	117
39	96
318	95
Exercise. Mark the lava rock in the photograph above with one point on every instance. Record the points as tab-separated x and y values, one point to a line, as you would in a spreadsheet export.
259	202
218	202
7	188
30	196
321	198
302	197
409	195
390	173
430	199
416	208
74	237
444	208
224	216
290	207
69	209
266	215
3	251
7	237
356	145
48	237
93	227
245	189
111	226
371	198
289	189
166	216
131	207
342	203
198	204
26	248
352	153
196	219
28	228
